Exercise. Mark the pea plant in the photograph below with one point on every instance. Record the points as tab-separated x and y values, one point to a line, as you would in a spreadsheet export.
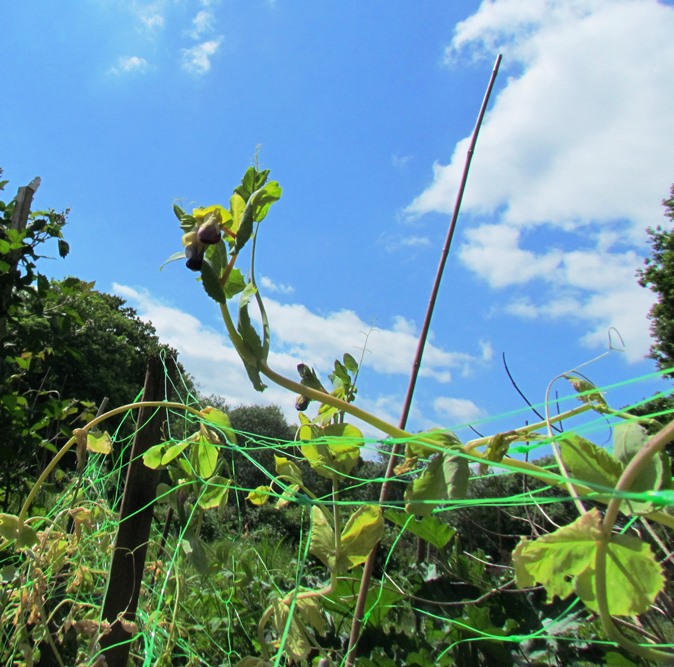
631	484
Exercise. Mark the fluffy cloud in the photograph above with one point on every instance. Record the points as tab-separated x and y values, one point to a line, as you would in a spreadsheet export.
578	135
574	145
457	410
197	59
129	64
270	286
298	335
202	23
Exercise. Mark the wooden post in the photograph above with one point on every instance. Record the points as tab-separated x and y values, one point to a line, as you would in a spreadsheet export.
22	204
128	558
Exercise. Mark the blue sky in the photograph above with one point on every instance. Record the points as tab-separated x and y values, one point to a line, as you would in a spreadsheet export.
363	114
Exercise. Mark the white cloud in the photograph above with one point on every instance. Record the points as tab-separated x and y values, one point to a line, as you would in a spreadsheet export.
269	285
574	142
393	242
319	339
493	253
578	136
297	335
130	64
197	59
202	23
457	410
400	161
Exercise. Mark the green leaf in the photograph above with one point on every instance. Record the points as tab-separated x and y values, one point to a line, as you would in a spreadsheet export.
430	528
628	439
179	213
252	180
204	457
264	198
237	206
210	279
152	457
379	602
245	230
194	549
216	493
589	463
350	363
254	661
434	441
170	452
12	529
332	451
634	578
497	448
235	284
444	478
175	257
251	339
564	563
363	530
588	393
63	247
322	542
221	420
98	442
287	468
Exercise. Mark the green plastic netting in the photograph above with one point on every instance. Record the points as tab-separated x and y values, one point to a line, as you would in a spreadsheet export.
229	581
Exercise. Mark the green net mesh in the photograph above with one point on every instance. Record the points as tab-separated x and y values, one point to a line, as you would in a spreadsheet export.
228	584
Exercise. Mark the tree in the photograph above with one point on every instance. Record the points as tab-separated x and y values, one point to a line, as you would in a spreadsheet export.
66	347
658	276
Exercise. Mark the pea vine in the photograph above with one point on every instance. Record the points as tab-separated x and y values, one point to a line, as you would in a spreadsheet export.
634	481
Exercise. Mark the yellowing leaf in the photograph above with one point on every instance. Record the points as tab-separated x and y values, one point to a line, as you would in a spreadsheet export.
99	442
152	457
287	495
587	392
259	496
221	420
215	494
204	458
564	562
589	463
311	614
12	529
297	643
288	468
363	530
172	451
444	478
322	543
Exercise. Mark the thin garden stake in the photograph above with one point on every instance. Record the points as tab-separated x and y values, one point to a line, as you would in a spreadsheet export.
357	624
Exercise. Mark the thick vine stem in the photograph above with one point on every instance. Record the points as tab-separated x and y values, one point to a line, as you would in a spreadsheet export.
607	623
522	466
334	402
94	422
653	447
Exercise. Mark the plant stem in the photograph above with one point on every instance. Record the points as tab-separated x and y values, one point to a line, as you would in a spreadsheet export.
653	447
94	422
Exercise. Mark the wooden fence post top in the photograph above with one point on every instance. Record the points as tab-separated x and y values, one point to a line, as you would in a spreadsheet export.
24	199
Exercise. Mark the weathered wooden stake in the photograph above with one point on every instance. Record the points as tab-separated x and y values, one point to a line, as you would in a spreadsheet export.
128	558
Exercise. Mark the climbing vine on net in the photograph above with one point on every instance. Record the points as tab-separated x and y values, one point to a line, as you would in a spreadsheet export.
269	573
